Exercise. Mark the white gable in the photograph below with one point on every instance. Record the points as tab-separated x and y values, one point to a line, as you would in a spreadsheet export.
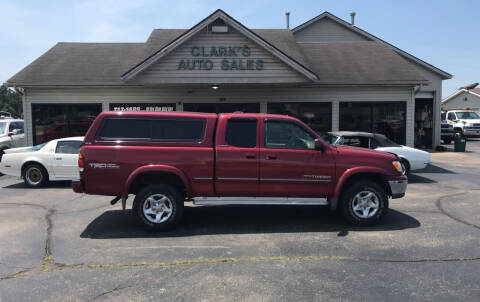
463	100
219	58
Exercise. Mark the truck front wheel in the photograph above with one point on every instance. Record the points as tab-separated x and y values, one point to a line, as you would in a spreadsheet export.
364	203
159	207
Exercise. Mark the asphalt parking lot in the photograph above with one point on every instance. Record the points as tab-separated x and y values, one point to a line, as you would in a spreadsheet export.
56	245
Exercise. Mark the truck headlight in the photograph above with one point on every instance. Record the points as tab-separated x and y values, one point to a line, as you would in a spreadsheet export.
398	166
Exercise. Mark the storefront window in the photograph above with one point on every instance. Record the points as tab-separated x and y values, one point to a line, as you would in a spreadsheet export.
317	115
385	118
52	121
222	107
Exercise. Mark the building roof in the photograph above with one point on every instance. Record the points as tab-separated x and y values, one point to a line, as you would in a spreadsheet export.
360	62
220	15
104	64
368	36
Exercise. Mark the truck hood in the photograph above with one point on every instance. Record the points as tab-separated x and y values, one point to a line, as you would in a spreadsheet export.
470	121
351	157
357	152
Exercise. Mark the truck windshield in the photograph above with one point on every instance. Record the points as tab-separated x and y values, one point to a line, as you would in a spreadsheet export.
2	127
469	115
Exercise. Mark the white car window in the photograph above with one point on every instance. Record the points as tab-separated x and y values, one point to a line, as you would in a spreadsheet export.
68	147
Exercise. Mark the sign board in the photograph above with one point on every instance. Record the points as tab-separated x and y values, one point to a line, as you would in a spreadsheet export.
143	107
232	58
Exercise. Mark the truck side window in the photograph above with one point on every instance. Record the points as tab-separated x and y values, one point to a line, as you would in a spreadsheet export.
287	135
451	116
125	128
16	126
241	132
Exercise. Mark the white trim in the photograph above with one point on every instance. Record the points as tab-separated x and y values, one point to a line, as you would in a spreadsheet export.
367	35
236	25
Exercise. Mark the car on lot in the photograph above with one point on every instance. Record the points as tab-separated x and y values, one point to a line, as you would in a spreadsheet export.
411	158
165	159
52	161
464	122
11	134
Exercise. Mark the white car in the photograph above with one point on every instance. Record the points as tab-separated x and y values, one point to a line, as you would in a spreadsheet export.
411	158
52	161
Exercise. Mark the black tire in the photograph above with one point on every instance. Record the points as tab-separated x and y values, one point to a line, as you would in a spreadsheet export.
142	202
2	151
406	165
348	201
35	175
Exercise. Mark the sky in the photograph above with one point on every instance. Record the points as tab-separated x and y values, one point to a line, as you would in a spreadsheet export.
442	33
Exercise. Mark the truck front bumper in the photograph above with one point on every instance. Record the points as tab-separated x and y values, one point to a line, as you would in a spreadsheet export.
398	187
77	186
472	132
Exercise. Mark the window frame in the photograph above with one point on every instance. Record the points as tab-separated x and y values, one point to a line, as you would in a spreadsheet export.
99	138
265	121
67	141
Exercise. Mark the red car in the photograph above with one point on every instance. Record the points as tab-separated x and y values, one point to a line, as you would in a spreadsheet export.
165	159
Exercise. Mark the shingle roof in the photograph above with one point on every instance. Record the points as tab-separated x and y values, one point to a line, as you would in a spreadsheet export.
359	62
475	90
80	64
104	63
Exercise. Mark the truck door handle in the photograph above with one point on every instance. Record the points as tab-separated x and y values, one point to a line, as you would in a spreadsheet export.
271	156
250	155
58	158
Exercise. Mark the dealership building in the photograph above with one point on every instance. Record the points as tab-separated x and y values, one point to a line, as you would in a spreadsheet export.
327	72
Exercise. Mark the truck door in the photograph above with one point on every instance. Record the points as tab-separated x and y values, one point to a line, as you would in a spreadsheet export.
16	134
236	168
290	166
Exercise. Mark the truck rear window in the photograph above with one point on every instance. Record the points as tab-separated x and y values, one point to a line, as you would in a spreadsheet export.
162	129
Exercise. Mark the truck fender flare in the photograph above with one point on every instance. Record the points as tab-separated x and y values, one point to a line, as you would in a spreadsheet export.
157	168
351	172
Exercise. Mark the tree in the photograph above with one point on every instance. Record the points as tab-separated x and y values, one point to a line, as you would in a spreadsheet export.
10	101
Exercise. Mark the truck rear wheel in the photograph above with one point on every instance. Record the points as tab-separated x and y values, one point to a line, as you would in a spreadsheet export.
159	207
364	203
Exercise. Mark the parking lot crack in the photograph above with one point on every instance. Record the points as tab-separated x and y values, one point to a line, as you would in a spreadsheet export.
438	203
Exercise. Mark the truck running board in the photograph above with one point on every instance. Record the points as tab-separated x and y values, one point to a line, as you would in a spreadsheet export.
258	201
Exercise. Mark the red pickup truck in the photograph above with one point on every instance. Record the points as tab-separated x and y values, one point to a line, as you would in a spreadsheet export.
165	159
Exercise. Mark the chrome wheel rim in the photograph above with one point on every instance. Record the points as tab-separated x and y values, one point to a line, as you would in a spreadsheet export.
157	208
365	204
34	176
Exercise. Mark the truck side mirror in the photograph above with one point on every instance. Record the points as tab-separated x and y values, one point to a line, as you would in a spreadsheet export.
13	132
319	145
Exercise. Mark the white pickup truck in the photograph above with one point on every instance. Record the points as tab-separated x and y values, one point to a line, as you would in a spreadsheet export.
11	134
464	122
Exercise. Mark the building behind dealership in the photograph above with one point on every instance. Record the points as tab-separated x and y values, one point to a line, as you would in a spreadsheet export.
327	72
